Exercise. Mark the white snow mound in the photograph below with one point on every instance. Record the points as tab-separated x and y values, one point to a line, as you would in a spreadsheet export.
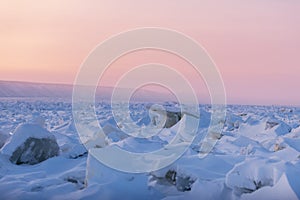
30	144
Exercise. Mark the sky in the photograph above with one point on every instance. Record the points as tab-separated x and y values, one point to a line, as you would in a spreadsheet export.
255	44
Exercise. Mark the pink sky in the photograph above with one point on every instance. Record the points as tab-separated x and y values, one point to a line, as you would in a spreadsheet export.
254	43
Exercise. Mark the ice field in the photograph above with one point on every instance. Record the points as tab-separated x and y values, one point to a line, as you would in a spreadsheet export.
257	156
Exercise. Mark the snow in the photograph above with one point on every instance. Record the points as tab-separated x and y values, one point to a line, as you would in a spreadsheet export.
3	138
116	184
253	174
22	133
253	158
282	190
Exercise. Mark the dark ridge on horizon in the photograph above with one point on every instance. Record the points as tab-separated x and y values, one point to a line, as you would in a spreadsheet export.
20	89
24	89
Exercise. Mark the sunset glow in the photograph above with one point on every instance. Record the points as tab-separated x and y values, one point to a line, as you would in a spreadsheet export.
255	44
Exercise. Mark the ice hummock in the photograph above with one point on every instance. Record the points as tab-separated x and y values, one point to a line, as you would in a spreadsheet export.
31	143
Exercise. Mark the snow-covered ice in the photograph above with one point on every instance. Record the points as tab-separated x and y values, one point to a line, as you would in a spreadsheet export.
257	156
